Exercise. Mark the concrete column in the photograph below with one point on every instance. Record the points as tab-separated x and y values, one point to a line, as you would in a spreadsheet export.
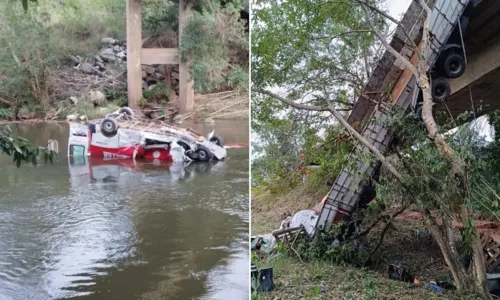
134	46
186	90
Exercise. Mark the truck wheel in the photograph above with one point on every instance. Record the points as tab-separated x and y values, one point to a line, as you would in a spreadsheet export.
217	140
440	90
453	65
129	113
203	153
109	127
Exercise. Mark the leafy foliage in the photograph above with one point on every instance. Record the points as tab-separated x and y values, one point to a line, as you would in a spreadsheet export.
210	36
20	149
432	184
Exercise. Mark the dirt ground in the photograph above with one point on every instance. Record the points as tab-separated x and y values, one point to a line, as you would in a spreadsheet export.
406	243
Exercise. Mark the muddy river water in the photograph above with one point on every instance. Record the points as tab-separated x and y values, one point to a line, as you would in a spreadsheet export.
108	229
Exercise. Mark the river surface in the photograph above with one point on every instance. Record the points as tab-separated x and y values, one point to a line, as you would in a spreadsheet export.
115	229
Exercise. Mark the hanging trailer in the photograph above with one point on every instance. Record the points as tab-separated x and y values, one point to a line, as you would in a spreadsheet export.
353	186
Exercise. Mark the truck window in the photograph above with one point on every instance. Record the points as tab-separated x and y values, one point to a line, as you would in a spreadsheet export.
77	150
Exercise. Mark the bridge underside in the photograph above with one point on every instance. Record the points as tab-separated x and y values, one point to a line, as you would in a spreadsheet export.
482	45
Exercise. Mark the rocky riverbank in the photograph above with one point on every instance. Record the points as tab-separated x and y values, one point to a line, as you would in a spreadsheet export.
91	87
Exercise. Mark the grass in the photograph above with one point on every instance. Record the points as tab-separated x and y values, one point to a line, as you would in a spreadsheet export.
320	280
407	242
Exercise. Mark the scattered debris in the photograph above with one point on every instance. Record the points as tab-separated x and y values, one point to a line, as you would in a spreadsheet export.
433	287
262	280
401	273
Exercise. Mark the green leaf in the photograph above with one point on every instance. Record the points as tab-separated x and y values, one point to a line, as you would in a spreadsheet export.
25	5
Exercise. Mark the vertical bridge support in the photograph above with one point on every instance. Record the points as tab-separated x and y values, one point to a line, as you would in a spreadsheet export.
136	56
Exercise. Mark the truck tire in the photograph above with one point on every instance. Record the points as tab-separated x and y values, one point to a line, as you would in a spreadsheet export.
109	127
453	65
203	153
217	140
129	113
440	90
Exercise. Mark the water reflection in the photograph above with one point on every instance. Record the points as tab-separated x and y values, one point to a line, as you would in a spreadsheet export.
89	228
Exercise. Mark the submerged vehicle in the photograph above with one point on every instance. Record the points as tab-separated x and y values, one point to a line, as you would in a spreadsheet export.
121	135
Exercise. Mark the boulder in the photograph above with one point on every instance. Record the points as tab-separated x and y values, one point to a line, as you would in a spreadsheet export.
74	99
121	55
98	98
98	59
24	113
101	66
107	54
86	68
75	59
151	80
175	74
117	48
151	87
108	40
160	76
149	69
160	69
72	117
144	84
144	74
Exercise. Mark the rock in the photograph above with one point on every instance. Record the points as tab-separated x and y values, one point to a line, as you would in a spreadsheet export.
74	99
149	69
24	113
160	76
83	118
98	59
151	80
87	68
209	120
151	87
101	66
108	40
144	74
144	85
97	97
121	55
175	74
75	59
160	69
107	54
71	117
117	48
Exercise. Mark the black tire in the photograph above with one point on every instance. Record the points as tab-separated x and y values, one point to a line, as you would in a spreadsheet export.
453	65
440	90
203	153
183	145
129	113
218	140
109	127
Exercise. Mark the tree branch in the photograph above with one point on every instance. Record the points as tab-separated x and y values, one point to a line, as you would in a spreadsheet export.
389	48
384	14
425	7
298	105
372	148
340	34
